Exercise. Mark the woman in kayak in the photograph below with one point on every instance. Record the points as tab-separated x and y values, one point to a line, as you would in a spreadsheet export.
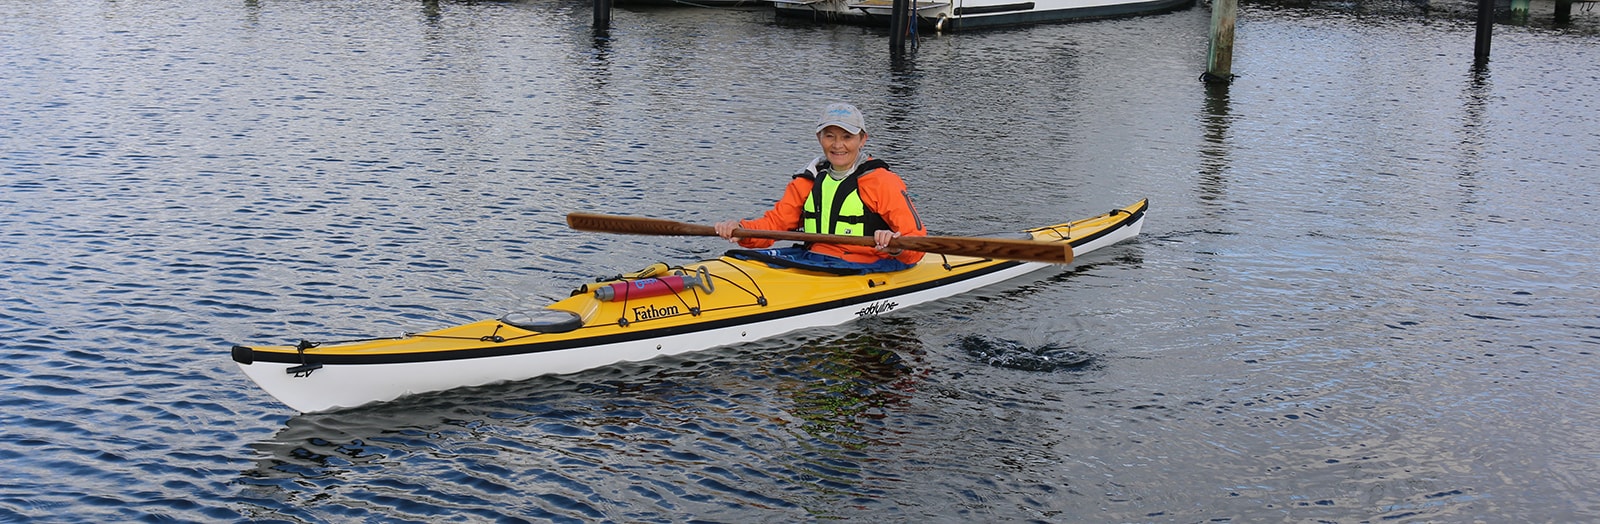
842	192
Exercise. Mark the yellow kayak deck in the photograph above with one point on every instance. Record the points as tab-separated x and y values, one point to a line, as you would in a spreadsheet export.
741	291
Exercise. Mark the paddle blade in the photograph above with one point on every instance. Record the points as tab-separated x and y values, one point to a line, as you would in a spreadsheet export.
996	248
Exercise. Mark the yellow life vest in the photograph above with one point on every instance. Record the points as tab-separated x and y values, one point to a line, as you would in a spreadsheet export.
835	206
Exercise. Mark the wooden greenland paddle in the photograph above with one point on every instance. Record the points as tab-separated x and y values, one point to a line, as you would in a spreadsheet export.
995	248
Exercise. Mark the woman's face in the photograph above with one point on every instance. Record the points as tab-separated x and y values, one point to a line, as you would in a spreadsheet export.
841	146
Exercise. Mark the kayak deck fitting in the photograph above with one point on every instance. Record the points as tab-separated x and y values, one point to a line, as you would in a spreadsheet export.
660	310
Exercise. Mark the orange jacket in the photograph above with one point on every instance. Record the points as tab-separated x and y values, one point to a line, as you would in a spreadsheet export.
880	189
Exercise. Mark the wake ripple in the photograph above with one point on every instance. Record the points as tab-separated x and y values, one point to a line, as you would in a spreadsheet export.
1007	353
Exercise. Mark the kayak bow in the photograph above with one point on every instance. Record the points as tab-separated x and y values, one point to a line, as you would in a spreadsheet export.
657	311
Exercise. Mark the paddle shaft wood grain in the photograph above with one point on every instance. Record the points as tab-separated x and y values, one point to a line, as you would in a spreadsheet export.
996	248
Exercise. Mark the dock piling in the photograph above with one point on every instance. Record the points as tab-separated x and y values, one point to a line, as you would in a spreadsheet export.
1480	50
1219	61
602	15
899	20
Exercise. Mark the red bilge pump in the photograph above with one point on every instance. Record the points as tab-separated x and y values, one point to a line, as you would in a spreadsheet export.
650	287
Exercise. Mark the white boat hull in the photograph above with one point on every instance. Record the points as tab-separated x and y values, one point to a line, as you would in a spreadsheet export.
951	15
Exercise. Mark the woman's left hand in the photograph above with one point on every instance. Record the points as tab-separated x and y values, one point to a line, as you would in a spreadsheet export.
882	237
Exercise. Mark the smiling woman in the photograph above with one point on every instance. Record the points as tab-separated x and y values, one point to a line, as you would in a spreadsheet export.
843	192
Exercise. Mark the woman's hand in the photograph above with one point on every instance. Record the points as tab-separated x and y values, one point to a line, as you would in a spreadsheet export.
882	237
725	229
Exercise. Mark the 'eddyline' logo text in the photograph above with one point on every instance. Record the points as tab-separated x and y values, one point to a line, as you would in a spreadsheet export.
876	309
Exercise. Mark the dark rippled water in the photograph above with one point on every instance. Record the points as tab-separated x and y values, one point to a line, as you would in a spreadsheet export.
1365	292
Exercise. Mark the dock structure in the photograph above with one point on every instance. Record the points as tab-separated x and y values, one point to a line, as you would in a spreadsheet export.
1516	12
1487	13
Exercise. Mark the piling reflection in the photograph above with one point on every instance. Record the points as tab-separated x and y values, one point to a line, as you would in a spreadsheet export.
1216	145
901	99
1474	105
431	13
1474	138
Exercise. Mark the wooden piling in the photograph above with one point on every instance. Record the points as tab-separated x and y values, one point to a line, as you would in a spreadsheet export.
602	15
1219	61
1480	51
899	20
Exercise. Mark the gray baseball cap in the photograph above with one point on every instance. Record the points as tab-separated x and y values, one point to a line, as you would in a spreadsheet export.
845	116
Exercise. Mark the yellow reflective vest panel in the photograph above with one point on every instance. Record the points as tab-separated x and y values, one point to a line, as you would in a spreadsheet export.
835	208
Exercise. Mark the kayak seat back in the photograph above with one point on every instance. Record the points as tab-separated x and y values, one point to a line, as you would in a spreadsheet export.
802	258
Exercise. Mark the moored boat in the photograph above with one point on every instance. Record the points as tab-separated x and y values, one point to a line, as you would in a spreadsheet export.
660	310
714	4
955	15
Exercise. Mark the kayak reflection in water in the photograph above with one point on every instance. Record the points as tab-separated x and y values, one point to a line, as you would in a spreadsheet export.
842	192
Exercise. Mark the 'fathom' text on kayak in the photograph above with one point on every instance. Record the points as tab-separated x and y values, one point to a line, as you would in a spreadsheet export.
643	313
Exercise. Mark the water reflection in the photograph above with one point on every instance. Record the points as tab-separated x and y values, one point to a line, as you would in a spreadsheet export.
1216	120
1474	104
431	14
862	377
901	101
1474	137
782	429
